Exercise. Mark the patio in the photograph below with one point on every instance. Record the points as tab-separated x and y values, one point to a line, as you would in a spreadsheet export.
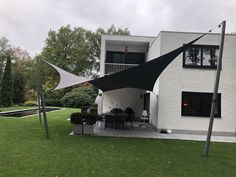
149	132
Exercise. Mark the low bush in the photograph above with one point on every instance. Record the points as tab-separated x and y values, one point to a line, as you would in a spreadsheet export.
78	97
31	103
53	102
94	110
79	118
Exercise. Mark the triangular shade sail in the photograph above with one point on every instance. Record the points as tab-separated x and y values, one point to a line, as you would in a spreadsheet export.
143	76
67	79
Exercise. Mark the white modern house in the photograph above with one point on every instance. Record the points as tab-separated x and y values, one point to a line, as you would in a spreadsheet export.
181	97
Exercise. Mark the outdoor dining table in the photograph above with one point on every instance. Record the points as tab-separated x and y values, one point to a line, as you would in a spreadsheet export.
116	121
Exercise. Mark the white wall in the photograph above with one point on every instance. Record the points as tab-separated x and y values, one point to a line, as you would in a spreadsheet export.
128	97
176	79
121	48
123	98
165	109
103	56
154	52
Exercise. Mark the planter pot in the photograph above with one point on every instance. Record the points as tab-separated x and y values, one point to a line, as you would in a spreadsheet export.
88	129
78	129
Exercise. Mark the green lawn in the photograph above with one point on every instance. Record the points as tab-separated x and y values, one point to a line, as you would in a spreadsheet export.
24	152
16	108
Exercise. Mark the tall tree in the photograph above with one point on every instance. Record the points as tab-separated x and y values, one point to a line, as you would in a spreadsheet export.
4	47
76	50
68	48
95	42
19	88
23	74
7	84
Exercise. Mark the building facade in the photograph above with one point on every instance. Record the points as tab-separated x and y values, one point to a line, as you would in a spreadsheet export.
181	97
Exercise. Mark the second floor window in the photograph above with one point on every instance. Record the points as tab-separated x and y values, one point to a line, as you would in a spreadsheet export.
201	56
121	57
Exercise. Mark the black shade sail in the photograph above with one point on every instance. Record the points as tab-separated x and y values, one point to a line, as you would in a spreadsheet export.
143	76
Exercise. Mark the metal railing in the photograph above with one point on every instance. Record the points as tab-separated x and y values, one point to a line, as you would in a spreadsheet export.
111	68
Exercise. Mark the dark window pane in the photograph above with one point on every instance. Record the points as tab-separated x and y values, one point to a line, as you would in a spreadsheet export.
206	104
193	56
199	104
116	58
210	56
201	56
135	58
121	57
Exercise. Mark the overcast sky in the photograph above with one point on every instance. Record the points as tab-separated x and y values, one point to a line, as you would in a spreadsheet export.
26	23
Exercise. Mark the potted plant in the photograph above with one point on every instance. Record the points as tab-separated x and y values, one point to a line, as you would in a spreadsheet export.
83	122
89	121
77	120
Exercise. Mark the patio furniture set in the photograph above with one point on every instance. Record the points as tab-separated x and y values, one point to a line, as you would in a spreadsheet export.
116	119
119	119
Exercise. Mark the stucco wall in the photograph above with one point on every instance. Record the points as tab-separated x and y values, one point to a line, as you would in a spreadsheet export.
176	79
127	97
154	52
165	102
123	98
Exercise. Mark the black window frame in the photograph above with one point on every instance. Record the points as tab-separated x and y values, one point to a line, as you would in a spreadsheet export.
124	57
200	96
201	47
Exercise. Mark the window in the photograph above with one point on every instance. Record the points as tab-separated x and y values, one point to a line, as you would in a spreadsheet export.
121	57
201	56
199	104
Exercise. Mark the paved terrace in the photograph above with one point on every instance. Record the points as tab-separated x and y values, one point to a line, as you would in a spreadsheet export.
148	132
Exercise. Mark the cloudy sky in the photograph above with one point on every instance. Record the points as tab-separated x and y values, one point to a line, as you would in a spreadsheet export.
26	23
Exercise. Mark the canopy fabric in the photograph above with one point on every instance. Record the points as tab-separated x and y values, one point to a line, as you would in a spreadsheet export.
142	76
67	79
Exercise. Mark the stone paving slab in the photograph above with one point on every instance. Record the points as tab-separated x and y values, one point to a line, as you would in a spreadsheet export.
141	132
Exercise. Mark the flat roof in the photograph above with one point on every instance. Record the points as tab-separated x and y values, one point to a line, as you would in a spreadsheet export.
164	31
189	32
143	36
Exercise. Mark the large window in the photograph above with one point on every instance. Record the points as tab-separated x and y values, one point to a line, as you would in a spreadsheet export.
201	56
125	58
199	104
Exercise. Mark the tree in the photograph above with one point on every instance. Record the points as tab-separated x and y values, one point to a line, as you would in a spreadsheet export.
6	90
79	96
21	66
19	86
75	50
95	42
67	48
4	47
23	71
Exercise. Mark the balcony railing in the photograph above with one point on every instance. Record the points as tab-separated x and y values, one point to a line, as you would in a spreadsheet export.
111	68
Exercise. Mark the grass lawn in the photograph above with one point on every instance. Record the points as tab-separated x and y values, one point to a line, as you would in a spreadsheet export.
16	108
24	152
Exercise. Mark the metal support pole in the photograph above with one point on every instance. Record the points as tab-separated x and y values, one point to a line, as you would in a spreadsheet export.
38	90
214	99
44	116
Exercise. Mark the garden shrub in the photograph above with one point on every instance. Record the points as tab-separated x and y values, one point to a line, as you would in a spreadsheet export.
79	97
53	102
7	85
31	103
79	118
93	110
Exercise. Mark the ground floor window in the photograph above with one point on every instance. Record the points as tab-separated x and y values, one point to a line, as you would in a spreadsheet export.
199	104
